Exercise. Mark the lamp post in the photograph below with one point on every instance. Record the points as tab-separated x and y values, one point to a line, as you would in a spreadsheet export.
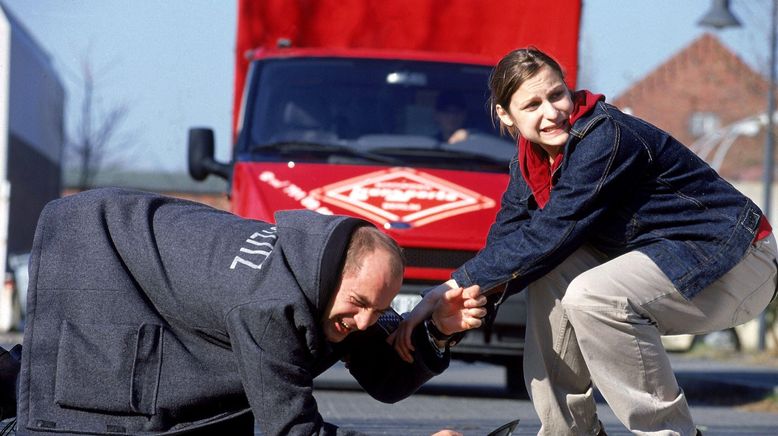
720	17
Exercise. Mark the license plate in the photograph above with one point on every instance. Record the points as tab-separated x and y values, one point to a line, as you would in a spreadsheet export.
404	303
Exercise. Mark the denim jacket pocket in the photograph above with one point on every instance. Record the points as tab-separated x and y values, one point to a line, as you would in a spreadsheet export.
109	368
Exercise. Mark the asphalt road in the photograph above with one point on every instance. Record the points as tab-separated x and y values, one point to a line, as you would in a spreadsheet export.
471	398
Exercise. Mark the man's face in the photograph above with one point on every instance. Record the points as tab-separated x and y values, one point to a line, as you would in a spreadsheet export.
361	297
449	119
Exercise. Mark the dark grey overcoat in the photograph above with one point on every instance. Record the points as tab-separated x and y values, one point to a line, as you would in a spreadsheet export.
148	314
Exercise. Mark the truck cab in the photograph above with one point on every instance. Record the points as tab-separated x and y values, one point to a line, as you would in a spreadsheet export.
402	139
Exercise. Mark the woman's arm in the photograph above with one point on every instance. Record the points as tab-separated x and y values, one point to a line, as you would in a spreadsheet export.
449	308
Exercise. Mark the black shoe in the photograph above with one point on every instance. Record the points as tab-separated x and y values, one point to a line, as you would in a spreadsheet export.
10	363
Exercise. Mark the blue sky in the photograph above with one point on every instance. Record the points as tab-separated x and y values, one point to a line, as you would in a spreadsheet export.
171	62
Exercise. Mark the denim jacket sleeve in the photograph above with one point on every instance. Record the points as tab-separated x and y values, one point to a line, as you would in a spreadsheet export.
601	160
514	208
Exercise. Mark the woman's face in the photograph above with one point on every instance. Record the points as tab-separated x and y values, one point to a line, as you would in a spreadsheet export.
540	110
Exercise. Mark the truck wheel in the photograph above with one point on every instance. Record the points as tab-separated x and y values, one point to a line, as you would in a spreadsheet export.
723	340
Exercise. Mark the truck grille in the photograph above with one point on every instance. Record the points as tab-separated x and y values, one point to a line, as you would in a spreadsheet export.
435	258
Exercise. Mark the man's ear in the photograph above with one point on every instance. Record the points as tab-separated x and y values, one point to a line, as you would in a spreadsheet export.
504	116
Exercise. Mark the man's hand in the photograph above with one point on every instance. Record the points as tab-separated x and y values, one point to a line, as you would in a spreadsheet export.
401	338
458	136
459	310
447	432
452	311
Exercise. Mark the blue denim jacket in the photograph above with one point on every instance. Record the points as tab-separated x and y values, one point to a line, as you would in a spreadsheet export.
623	185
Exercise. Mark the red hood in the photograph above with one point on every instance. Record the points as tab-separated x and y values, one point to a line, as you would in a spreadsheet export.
427	208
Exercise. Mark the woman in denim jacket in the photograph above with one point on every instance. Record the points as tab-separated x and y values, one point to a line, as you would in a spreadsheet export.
620	234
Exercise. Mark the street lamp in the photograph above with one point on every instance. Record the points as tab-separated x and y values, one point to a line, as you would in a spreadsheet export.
720	17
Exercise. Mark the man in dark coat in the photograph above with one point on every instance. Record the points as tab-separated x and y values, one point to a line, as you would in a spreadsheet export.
148	314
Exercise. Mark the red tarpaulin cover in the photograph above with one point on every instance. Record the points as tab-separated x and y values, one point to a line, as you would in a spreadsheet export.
480	27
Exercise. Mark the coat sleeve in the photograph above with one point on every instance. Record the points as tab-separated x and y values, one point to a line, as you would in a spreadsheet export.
276	370
382	373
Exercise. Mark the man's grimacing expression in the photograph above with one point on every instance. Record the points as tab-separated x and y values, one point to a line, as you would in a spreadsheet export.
361	297
540	109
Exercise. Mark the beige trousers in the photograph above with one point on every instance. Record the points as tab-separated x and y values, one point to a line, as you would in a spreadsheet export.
591	320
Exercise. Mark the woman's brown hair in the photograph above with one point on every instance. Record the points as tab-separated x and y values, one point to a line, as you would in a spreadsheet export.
507	76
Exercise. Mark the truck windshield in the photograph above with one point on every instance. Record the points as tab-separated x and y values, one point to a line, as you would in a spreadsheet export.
366	111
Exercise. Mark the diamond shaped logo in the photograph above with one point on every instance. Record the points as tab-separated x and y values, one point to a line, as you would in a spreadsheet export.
402	195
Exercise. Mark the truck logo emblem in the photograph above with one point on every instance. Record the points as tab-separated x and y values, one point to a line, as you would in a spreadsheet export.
402	195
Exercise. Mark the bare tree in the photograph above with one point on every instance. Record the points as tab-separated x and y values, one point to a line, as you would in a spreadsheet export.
96	129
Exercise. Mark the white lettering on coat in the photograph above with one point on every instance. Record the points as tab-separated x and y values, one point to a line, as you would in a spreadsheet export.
258	248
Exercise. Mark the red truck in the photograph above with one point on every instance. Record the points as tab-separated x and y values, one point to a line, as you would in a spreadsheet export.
348	107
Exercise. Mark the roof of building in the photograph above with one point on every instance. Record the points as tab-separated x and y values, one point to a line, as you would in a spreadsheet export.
705	48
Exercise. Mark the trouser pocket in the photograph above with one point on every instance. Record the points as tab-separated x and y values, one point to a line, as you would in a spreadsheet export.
112	368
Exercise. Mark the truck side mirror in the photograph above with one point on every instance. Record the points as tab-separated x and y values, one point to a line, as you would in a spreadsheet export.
201	160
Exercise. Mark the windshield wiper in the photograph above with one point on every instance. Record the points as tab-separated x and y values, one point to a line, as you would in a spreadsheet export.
290	147
444	153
